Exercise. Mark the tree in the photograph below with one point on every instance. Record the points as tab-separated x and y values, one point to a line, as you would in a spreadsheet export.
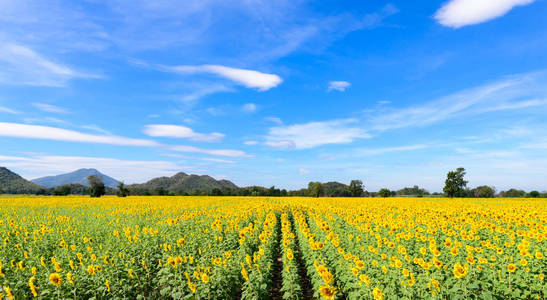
316	189
122	190
62	190
96	184
533	194
356	188
161	191
484	191
454	183
384	193
1	191
513	193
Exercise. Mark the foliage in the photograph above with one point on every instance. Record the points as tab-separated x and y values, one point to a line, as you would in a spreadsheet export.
356	188
534	194
512	193
316	189
384	193
484	191
413	191
123	191
96	186
455	183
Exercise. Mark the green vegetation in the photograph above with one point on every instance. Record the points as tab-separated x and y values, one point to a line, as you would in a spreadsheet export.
455	184
97	188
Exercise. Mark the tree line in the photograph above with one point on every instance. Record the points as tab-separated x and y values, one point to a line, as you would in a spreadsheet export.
455	186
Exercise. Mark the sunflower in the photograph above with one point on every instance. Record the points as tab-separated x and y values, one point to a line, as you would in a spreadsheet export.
459	270
204	278
56	279
511	268
377	294
327	292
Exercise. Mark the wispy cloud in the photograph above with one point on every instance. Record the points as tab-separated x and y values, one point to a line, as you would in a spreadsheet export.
177	131
274	120
16	130
23	66
216	152
204	91
50	108
251	143
338	86
303	171
313	134
459	13
512	92
4	109
248	78
58	134
377	151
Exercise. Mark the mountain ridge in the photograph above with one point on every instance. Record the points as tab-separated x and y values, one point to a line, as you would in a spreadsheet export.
13	183
79	177
181	183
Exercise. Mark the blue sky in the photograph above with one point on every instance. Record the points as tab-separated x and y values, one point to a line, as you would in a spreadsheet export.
277	92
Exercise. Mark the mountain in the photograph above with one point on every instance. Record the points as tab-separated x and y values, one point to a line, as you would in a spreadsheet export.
78	176
181	183
12	183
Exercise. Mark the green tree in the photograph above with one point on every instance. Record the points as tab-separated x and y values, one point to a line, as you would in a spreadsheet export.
484	191
455	184
533	194
161	191
513	193
123	191
1	191
96	184
316	189
356	188
384	193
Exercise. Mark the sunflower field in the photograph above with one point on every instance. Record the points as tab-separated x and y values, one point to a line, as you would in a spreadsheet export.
272	248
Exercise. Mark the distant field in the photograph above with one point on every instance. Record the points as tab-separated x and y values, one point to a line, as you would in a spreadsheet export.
256	248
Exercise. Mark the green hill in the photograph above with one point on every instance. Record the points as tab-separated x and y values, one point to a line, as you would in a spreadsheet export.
12	183
181	183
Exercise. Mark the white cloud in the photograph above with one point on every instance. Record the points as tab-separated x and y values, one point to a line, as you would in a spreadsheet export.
216	152
249	107
22	65
250	143
313	134
50	108
459	13
247	78
52	133
129	171
274	119
338	85
203	92
176	131
57	134
281	144
513	92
